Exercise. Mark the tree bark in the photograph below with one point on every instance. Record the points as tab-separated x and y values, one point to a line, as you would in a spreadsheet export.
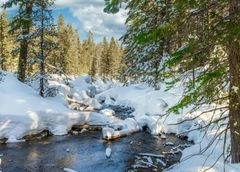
22	63
234	91
42	68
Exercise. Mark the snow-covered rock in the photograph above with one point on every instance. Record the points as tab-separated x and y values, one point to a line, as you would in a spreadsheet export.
91	102
130	126
68	170
107	112
108	152
12	139
84	83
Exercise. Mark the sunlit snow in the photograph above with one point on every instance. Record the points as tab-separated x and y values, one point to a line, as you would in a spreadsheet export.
23	112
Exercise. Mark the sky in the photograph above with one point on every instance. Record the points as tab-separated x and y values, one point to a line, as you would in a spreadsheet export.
87	15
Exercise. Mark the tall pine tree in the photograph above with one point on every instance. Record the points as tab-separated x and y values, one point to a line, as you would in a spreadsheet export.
4	41
21	21
211	44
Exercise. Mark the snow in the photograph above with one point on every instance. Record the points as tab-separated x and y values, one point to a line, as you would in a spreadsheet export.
235	89
108	152
129	126
24	112
169	144
68	170
107	112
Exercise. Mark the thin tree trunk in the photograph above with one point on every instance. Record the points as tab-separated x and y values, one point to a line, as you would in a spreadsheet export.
2	46
234	96
42	70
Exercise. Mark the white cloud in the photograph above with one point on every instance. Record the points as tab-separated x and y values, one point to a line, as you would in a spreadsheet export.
90	14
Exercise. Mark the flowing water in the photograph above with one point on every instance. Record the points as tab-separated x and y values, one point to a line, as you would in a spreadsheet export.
85	152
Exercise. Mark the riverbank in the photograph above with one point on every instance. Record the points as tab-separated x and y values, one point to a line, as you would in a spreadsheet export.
85	152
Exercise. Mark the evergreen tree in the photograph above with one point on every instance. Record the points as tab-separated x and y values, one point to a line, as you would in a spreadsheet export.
209	34
53	58
84	58
62	42
21	20
114	59
43	22
95	69
234	70
71	56
4	41
12	61
105	59
145	59
90	51
78	53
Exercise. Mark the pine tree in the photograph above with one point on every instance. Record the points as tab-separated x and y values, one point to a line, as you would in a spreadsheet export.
42	45
62	42
21	20
78	53
207	34
71	56
90	51
4	41
114	60
234	69
84	58
105	59
145	58
52	59
95	68
12	61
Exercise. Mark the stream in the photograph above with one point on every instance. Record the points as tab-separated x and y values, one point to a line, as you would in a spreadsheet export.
85	152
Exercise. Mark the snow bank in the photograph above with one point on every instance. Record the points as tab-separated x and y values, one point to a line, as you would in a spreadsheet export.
149	104
84	83
24	112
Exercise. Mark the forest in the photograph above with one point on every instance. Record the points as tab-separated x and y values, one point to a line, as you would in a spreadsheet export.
193	44
196	42
44	48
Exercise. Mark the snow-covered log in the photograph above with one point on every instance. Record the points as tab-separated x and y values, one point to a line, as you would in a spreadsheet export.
70	101
86	126
90	103
152	155
130	127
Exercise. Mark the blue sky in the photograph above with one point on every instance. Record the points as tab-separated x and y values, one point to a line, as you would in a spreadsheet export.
87	15
69	18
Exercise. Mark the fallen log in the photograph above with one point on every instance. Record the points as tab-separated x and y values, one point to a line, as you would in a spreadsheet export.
89	127
70	101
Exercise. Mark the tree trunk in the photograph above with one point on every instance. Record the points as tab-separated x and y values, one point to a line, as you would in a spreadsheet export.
22	63
234	95
42	68
42	75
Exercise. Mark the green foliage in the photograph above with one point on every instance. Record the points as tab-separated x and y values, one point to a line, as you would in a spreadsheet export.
113	6
58	50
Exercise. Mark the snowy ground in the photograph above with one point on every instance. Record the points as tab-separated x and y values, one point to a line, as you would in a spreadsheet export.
24	112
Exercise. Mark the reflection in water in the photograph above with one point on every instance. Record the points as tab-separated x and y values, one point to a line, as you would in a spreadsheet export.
35	119
84	152
66	161
33	154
